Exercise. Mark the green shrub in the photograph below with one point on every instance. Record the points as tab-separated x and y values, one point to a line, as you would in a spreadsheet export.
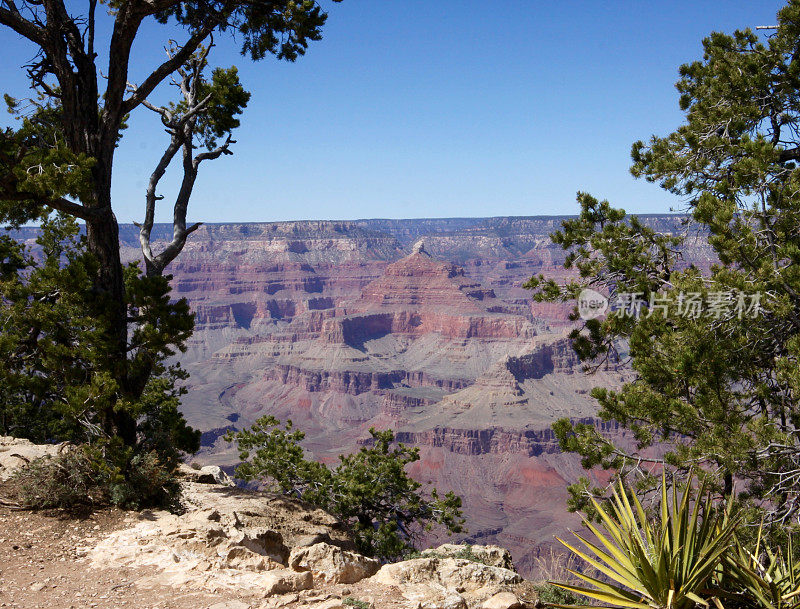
94	476
354	602
549	594
670	563
762	577
370	490
464	553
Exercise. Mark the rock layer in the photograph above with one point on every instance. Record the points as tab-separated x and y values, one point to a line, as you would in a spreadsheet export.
421	326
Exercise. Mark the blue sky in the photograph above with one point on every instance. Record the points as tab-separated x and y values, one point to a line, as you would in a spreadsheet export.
434	109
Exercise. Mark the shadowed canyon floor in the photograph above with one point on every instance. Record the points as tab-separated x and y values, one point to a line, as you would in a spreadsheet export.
421	326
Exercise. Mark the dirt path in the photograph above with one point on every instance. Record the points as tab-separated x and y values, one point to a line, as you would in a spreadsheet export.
42	565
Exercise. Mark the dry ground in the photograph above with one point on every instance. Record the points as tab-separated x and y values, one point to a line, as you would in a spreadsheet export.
41	565
44	564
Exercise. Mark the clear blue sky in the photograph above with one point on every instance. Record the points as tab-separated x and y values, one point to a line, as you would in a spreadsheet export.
416	108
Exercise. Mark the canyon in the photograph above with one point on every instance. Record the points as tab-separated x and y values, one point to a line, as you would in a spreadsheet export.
419	326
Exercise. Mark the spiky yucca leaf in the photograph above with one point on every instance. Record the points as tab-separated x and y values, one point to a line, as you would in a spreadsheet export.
649	565
771	578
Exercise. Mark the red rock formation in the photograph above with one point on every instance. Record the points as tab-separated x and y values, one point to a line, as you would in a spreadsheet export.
341	326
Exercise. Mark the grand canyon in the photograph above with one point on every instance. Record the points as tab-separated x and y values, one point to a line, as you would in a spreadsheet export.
419	326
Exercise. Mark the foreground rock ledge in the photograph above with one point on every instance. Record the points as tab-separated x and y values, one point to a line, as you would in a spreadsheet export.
273	552
289	553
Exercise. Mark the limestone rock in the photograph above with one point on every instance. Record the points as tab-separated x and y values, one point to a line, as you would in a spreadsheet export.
263	541
453	573
494	556
502	600
330	564
239	557
228	539
280	600
433	596
16	453
208	474
287	580
434	582
230	605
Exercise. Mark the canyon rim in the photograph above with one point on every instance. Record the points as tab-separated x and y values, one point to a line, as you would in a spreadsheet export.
420	326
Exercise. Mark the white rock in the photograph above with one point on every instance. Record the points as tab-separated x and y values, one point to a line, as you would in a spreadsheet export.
16	453
230	605
452	573
331	565
281	581
240	557
225	541
502	600
433	596
208	474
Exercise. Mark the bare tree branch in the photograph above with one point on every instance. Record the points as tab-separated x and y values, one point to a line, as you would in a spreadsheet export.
151	198
59	204
11	17
182	129
216	153
168	67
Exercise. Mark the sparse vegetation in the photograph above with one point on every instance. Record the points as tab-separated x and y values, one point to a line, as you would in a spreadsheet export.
369	490
552	595
557	565
354	602
465	553
92	476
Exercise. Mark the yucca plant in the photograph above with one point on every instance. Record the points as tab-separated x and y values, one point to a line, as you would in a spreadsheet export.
655	565
762	577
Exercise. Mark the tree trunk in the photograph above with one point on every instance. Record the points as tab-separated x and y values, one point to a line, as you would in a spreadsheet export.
102	234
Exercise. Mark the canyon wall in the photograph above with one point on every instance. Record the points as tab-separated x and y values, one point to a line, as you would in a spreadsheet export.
421	326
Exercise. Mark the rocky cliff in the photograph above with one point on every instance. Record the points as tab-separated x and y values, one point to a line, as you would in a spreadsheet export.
421	326
228	548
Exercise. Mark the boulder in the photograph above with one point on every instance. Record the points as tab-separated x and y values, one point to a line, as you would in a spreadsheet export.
434	582
312	539
208	474
494	556
16	453
262	541
281	581
239	557
502	600
452	573
331	565
433	596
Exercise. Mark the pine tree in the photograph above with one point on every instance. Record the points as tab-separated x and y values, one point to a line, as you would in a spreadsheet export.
62	158
56	377
369	490
719	389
